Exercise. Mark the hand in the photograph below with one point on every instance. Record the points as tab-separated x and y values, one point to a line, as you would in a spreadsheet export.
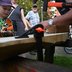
26	28
4	29
45	24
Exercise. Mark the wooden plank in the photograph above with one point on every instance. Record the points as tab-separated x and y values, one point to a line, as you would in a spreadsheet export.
6	41
56	37
9	46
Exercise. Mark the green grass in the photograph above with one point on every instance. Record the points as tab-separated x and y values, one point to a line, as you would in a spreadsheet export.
63	61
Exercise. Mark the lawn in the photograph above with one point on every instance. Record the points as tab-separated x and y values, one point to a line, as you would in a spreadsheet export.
63	61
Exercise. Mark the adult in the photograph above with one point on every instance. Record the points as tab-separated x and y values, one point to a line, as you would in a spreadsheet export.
33	16
18	19
5	7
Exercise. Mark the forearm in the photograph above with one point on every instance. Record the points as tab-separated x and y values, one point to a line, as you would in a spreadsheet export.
28	23
23	18
24	22
65	19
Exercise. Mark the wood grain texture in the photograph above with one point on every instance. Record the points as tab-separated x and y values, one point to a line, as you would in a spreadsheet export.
9	46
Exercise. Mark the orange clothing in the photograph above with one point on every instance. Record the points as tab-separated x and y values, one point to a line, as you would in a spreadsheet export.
10	25
9	28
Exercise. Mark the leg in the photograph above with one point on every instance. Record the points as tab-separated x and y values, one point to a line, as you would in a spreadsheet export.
39	49
49	53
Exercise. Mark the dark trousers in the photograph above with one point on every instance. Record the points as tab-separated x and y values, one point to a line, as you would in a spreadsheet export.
49	53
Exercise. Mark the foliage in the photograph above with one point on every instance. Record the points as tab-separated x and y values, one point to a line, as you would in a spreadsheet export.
64	61
27	4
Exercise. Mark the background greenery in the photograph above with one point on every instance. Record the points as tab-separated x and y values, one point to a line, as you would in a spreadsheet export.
63	61
27	4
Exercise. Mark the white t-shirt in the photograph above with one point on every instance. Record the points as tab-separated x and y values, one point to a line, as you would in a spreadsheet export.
33	18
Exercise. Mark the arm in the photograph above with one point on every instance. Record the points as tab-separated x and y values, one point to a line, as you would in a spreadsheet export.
9	25
28	23
23	19
65	19
28	18
10	28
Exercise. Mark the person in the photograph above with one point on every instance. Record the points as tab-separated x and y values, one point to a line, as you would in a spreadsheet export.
5	7
65	19
34	19
33	16
53	11
18	19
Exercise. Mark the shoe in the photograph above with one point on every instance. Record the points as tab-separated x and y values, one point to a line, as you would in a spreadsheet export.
33	52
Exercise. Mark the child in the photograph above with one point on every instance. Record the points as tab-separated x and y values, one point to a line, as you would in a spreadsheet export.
5	7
